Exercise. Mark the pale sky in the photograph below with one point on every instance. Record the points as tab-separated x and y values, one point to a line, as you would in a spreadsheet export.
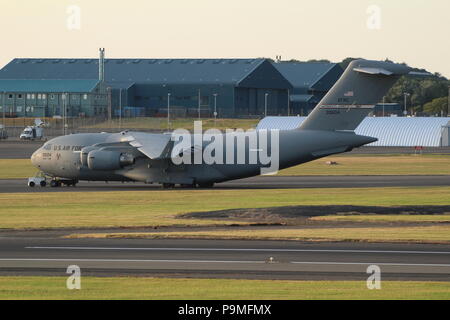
411	31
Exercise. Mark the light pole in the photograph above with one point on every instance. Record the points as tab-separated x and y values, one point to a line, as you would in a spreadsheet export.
384	98
120	109
3	107
215	107
265	104
405	112
288	103
199	104
448	105
168	111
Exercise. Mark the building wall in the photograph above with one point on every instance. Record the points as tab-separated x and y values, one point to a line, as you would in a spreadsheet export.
45	104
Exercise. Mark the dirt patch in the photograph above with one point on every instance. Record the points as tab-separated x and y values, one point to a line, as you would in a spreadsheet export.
304	212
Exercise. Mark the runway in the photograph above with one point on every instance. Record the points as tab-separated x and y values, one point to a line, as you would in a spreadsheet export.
223	259
261	182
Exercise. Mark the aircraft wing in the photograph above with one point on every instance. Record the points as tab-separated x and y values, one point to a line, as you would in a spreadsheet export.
153	145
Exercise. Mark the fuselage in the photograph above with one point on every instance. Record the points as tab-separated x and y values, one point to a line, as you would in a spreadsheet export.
62	157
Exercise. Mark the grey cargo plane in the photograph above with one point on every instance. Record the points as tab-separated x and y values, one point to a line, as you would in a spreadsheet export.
150	158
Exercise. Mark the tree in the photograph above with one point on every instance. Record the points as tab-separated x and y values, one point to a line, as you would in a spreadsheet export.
437	106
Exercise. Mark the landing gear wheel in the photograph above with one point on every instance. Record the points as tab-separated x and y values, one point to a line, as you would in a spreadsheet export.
168	185
31	184
43	184
55	184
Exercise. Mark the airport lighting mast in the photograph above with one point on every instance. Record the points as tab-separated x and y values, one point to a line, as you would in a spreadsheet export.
168	110
405	112
265	104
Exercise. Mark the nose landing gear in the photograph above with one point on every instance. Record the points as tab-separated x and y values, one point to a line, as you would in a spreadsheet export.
59	183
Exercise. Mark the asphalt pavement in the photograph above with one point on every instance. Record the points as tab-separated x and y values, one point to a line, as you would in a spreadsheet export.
223	259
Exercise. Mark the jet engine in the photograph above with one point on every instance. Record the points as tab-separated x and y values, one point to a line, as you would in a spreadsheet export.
108	160
84	155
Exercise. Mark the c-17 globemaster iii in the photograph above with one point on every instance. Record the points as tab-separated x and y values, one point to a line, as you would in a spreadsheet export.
197	159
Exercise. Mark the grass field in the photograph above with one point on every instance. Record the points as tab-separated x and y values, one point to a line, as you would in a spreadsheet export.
40	288
16	169
431	234
375	165
157	208
347	165
161	123
441	218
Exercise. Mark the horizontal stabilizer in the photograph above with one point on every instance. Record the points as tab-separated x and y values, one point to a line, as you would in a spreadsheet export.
373	71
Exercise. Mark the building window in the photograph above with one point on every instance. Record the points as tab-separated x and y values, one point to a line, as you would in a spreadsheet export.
19	96
10	96
33	96
85	96
44	96
28	96
52	96
39	96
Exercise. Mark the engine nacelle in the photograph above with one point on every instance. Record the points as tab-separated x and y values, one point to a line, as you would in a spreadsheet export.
108	160
84	155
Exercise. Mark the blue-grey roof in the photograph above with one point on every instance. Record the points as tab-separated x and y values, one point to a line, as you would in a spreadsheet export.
304	74
134	70
50	86
390	131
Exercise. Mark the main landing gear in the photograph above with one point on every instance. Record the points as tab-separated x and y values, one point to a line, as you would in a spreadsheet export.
59	183
189	186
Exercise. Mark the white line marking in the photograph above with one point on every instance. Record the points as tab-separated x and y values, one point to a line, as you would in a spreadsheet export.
231	261
238	249
130	260
376	263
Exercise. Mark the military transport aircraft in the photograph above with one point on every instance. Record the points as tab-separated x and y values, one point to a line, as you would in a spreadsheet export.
197	159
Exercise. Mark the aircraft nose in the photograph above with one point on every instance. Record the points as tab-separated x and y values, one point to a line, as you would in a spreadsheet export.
35	158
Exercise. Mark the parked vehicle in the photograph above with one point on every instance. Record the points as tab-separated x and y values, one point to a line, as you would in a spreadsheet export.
33	132
3	133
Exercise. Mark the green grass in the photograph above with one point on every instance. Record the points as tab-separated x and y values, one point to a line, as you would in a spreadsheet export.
375	165
41	288
16	169
182	123
430	234
347	165
415	218
157	208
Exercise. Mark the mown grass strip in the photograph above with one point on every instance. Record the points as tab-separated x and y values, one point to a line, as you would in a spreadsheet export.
162	208
429	234
42	288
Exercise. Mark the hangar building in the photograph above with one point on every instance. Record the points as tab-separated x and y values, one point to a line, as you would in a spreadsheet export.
390	131
41	98
237	87
310	82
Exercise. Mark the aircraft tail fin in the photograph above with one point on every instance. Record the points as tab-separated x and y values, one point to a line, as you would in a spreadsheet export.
355	94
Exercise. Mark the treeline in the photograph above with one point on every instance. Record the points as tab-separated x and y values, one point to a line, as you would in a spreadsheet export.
427	95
